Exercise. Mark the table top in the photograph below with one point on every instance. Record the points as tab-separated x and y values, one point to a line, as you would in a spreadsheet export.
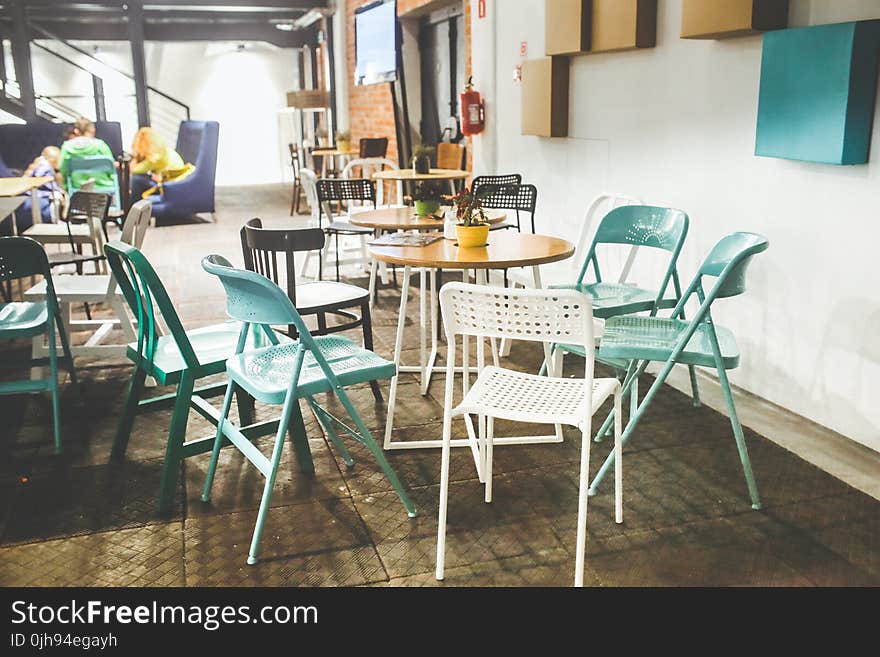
406	219
410	174
21	185
9	205
333	152
505	249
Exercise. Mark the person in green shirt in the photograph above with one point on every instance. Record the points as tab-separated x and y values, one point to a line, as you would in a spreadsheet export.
85	144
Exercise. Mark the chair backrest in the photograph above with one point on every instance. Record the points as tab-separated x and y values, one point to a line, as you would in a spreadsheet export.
94	168
728	261
500	179
368	166
545	316
643	226
309	181
450	156
148	300
260	248
598	208
22	257
340	189
373	147
137	221
254	299
511	196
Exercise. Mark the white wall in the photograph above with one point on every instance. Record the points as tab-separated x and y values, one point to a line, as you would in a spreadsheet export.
242	90
675	125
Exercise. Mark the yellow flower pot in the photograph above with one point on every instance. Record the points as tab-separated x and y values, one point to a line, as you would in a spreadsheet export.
342	145
472	236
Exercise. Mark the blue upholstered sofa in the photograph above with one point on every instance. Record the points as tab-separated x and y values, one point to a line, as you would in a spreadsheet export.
20	143
197	144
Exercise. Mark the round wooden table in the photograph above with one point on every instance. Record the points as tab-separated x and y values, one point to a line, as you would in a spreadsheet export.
330	153
505	249
409	175
388	219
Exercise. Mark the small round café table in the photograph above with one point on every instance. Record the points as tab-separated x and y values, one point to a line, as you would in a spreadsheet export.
505	249
409	175
327	154
392	219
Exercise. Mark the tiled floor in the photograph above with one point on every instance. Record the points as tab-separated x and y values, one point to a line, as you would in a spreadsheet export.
75	519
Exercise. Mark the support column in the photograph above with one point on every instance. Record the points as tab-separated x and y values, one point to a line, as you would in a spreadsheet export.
135	14
21	55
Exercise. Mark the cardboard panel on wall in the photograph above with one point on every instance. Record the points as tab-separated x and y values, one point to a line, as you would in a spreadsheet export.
623	25
545	97
567	26
818	91
719	19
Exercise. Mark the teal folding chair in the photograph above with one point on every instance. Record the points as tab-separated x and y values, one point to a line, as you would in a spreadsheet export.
636	226
180	358
284	373
22	257
698	342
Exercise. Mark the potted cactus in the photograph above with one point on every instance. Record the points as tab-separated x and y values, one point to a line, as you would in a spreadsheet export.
472	229
421	160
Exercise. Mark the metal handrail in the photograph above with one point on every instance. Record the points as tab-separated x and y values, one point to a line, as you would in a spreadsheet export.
85	53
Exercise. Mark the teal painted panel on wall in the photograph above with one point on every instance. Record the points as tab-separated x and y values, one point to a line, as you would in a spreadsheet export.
818	91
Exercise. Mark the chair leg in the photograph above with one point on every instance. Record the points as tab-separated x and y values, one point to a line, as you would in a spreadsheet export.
331	433
129	411
377	452
739	437
337	257
696	390
300	440
367	327
245	405
218	443
490	439
444	492
65	347
290	404
176	436
294	199
583	499
53	390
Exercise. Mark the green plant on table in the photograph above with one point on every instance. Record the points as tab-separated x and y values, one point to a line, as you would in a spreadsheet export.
469	208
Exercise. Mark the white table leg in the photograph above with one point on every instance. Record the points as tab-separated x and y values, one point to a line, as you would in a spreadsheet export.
398	349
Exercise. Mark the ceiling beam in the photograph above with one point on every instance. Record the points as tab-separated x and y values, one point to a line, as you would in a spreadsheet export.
183	4
118	31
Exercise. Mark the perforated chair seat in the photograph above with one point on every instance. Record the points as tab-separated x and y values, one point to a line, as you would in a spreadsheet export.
321	294
523	397
611	299
265	373
23	319
211	344
654	339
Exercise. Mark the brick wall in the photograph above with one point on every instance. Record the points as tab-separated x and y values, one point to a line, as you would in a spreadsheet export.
370	109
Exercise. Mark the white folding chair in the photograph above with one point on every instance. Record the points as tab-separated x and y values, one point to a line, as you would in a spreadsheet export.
543	316
96	288
368	167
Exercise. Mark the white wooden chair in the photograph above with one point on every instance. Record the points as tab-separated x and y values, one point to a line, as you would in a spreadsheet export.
94	289
543	316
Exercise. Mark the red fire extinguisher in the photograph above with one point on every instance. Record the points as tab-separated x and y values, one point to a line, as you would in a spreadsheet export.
473	117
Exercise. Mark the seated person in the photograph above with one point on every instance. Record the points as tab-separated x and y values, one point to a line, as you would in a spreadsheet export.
83	143
151	156
49	193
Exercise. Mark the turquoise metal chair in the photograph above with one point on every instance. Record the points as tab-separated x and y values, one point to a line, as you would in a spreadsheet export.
636	226
180	358
698	342
22	257
284	373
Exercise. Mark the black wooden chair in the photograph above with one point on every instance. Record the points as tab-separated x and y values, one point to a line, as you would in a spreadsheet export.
261	248
373	147
296	164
